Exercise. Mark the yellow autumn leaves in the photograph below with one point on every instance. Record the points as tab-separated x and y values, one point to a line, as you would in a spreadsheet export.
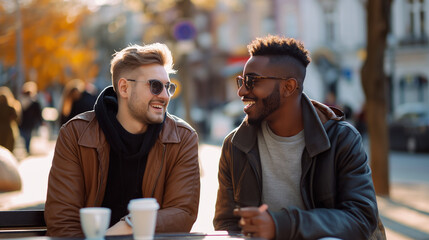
52	48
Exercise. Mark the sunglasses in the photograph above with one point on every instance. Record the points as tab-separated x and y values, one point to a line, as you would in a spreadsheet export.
157	86
249	80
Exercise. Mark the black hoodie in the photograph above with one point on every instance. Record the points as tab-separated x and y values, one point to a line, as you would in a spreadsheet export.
128	155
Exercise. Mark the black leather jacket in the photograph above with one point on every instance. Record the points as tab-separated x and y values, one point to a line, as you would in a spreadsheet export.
336	182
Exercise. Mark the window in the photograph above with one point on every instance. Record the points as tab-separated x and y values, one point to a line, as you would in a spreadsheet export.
415	25
422	19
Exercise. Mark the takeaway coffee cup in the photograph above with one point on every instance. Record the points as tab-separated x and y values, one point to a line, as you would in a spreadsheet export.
143	213
95	221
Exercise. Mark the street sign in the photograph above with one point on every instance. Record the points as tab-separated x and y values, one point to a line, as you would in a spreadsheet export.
184	30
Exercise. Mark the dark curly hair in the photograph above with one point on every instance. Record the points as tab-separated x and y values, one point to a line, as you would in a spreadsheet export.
286	52
280	46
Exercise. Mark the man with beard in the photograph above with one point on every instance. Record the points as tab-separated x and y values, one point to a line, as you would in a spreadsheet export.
294	169
128	147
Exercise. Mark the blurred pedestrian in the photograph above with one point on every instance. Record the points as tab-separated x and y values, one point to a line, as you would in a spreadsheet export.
9	111
31	113
331	100
78	97
360	120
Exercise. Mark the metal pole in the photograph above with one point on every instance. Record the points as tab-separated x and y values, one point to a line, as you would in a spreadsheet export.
19	53
185	7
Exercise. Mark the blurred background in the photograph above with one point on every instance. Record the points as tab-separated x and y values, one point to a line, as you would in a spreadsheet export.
52	42
55	58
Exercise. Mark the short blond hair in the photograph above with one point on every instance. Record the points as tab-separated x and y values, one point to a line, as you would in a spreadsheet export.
135	56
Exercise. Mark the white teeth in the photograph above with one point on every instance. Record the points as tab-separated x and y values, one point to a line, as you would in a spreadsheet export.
157	106
248	102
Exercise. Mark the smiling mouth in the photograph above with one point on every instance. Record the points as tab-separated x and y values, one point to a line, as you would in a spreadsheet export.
158	106
248	104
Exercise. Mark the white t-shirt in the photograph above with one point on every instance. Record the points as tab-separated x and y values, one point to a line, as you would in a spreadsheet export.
281	168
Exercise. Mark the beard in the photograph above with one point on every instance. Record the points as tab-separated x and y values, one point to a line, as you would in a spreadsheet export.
270	104
141	110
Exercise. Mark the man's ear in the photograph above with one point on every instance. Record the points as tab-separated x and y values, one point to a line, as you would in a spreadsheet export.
123	88
290	87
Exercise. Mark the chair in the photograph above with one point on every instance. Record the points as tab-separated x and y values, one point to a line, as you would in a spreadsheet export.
22	223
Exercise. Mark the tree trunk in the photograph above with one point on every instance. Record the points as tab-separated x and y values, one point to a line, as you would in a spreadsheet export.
374	83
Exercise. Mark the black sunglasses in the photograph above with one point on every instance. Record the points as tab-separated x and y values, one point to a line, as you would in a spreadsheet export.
249	80
156	86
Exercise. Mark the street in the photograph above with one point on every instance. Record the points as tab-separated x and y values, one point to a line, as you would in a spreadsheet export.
405	214
409	168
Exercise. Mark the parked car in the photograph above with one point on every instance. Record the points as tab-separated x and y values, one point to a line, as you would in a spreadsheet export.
409	129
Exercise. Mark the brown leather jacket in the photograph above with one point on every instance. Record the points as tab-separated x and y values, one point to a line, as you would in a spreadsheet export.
79	170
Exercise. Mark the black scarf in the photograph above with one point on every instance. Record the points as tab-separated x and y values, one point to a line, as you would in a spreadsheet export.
128	155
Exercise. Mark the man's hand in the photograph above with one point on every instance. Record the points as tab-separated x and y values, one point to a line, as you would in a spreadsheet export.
120	228
256	222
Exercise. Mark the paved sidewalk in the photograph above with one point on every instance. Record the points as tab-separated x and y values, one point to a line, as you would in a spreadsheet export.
406	213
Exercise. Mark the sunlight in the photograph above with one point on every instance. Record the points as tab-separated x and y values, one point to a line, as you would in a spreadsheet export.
94	5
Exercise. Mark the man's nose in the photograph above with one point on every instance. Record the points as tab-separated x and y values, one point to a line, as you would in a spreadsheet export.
242	90
164	93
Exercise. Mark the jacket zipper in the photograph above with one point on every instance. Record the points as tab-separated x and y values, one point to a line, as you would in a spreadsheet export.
311	183
159	172
307	173
257	176
100	169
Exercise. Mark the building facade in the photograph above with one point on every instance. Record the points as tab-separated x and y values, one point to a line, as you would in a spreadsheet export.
335	33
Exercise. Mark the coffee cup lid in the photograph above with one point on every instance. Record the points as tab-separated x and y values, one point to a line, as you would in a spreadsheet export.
95	209
143	203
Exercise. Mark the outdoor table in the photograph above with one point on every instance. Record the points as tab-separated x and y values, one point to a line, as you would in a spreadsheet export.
218	235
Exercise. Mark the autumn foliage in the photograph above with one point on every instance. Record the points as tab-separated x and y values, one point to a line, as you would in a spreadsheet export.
51	44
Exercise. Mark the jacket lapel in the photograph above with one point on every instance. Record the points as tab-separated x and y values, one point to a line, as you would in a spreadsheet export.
316	139
245	139
92	137
156	157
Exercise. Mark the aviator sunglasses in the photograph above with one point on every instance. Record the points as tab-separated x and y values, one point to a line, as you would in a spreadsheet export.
156	86
249	80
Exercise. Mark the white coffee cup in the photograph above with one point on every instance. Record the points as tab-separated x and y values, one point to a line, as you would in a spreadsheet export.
95	221
143	213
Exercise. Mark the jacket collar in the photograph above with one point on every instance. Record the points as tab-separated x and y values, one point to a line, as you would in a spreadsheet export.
316	139
169	132
315	115
93	136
